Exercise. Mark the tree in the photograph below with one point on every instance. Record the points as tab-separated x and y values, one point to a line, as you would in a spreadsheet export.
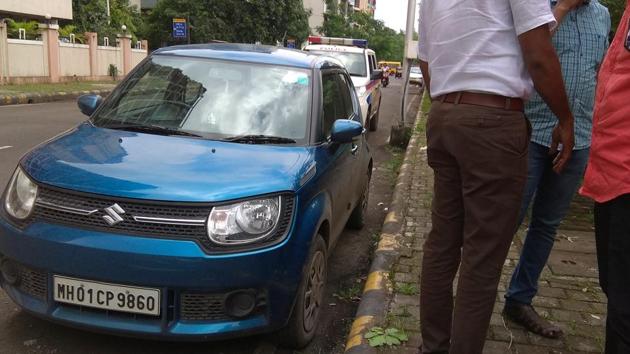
616	8
91	16
31	28
246	21
387	44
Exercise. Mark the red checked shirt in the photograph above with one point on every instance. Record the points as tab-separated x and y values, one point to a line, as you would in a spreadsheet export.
608	172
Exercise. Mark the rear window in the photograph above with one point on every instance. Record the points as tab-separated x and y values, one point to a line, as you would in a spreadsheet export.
354	62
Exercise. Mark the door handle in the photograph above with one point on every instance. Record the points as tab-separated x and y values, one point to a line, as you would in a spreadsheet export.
355	149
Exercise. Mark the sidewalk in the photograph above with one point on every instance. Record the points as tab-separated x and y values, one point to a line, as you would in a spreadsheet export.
569	293
39	93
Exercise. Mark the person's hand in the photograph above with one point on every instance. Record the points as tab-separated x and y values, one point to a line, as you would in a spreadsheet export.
562	134
569	5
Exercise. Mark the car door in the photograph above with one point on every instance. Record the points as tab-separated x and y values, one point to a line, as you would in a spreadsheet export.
360	160
375	100
340	156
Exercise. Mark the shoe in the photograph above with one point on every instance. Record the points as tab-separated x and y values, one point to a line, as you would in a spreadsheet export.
526	316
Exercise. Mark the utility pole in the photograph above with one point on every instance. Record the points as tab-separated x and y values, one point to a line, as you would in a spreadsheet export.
399	132
409	44
108	15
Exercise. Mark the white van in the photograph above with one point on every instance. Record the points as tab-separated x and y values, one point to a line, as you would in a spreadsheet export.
361	65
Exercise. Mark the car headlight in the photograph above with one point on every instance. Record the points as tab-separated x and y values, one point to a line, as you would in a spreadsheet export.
21	194
245	222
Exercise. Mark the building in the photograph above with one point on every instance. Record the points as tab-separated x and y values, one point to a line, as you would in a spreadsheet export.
37	9
147	4
318	9
368	6
136	3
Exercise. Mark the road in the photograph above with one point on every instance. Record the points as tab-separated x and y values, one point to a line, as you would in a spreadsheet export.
23	127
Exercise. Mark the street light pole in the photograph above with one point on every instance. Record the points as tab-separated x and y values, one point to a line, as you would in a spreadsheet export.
411	18
108	15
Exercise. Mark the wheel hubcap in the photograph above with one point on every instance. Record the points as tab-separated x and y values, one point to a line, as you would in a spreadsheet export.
314	291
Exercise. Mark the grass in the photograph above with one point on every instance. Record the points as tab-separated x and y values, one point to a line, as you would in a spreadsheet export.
395	162
349	293
407	289
56	87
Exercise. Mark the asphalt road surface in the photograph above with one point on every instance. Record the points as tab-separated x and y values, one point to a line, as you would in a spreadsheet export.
24	126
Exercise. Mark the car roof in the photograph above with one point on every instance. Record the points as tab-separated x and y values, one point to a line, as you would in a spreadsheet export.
337	48
253	53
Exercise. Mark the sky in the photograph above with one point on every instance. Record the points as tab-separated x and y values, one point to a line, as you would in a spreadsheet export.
393	13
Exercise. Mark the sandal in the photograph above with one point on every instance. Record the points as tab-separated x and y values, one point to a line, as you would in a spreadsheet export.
526	316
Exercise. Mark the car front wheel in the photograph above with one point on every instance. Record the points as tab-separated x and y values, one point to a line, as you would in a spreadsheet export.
359	214
308	305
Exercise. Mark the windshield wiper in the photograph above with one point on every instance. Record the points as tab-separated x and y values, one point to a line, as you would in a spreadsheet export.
151	129
259	139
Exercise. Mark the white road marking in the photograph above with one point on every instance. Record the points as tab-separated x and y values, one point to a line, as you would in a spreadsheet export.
5	147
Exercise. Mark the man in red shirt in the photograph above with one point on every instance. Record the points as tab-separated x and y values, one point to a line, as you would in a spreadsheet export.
607	181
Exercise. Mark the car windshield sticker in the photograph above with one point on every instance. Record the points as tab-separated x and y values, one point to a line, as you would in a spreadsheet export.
295	78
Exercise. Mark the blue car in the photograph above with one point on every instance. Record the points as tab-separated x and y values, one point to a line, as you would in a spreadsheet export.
200	201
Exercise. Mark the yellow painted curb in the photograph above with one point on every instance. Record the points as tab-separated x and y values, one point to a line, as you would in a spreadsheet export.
356	332
391	217
374	281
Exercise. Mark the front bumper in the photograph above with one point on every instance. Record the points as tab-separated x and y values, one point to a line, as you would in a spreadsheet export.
175	267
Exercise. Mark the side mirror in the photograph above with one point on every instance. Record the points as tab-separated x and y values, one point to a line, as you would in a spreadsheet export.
345	130
89	103
376	75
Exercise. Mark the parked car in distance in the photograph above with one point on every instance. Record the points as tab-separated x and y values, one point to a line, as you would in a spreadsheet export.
200	201
415	76
360	61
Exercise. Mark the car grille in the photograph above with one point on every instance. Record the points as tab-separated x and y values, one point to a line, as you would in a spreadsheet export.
33	282
188	220
202	307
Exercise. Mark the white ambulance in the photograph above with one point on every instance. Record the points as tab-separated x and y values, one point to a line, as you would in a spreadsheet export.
361	65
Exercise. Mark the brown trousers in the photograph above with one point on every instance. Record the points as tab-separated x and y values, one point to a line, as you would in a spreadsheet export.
479	157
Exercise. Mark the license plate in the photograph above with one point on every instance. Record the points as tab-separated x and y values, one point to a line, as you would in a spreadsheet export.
106	296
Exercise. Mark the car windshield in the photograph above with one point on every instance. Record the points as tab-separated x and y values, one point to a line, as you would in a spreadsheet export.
416	70
211	98
354	62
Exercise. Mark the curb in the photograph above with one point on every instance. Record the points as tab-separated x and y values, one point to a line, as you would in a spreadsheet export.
28	98
376	296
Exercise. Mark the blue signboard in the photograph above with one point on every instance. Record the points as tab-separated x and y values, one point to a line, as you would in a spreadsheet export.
180	28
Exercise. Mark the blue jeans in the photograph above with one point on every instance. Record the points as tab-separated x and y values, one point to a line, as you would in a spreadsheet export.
552	194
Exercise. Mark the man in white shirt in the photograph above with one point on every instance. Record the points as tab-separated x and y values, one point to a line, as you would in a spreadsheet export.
480	60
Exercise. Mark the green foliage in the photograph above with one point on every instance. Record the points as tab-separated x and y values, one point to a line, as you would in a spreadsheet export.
407	289
387	44
616	8
112	71
67	30
349	293
244	21
91	16
31	28
378	337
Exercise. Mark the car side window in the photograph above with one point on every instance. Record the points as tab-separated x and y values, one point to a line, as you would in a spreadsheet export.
332	104
346	96
372	63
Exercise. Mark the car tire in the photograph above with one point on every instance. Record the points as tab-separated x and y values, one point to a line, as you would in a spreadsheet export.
308	305
374	120
359	213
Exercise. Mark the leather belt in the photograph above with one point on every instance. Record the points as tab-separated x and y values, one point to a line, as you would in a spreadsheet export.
483	99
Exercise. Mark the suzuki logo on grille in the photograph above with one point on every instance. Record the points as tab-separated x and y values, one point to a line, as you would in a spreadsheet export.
113	214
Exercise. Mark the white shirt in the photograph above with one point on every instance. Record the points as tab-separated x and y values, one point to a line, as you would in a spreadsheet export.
472	45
